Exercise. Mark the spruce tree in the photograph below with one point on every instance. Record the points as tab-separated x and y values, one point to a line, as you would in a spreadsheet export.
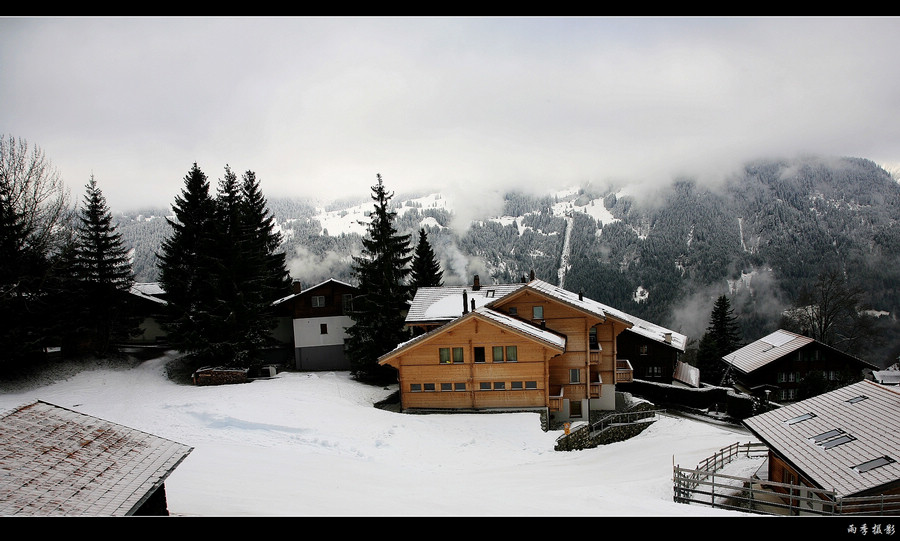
185	267
426	271
722	337
102	269
378	310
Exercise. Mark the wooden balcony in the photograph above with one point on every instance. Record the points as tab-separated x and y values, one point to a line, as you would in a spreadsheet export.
624	372
594	356
556	398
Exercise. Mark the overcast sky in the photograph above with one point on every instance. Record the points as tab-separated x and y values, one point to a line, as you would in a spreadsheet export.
319	106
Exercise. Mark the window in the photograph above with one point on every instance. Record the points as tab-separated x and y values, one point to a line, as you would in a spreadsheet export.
517	385
834	442
513	311
575	408
485	386
874	463
479	355
531	385
574	375
448	355
446	386
347	302
800	418
444	355
499	385
318	301
415	387
457	355
428	386
856	399
826	435
323	328
489	294
642	349
498	354
512	354
654	371
459	386
537	312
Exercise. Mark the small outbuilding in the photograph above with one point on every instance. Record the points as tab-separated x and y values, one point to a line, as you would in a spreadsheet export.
56	461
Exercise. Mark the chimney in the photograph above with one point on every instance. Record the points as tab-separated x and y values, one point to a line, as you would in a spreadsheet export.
532	275
581	295
296	286
473	305
466	302
476	283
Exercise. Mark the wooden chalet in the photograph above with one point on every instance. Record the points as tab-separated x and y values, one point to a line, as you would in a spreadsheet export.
845	442
58	462
147	302
791	367
564	350
316	320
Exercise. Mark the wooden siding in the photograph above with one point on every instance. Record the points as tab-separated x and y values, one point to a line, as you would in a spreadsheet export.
421	372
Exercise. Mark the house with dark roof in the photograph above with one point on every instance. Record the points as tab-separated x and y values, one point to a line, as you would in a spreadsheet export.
564	350
59	462
843	443
785	366
315	321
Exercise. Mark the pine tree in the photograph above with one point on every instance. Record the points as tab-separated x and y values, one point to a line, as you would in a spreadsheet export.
102	269
184	267
426	271
722	337
378	309
223	264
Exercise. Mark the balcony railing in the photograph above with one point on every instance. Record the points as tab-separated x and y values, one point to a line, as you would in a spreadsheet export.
556	398
594	356
624	372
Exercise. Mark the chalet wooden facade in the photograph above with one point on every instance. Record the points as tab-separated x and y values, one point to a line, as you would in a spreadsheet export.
845	441
316	320
483	322
791	367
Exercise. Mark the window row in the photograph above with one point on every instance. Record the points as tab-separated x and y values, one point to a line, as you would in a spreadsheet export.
499	354
482	386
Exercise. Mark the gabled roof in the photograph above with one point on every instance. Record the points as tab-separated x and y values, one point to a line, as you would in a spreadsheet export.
307	290
436	305
637	325
771	348
523	328
58	462
846	440
150	291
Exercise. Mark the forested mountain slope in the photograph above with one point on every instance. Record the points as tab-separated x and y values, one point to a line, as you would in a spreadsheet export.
758	236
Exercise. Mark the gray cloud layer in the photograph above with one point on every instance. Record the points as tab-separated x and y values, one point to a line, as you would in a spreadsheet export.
318	106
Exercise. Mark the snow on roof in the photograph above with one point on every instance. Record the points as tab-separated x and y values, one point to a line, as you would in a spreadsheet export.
524	328
846	440
441	304
307	290
148	291
887	377
639	326
58	462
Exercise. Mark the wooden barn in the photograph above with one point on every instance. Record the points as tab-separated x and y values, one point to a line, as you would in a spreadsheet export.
59	462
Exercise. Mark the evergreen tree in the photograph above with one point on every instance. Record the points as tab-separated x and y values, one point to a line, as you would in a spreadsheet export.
378	309
426	271
223	264
721	338
102	270
185	267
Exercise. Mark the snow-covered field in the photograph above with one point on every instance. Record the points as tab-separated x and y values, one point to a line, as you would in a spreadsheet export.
312	444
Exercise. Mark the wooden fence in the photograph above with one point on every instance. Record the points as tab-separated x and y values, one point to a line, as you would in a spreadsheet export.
705	485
